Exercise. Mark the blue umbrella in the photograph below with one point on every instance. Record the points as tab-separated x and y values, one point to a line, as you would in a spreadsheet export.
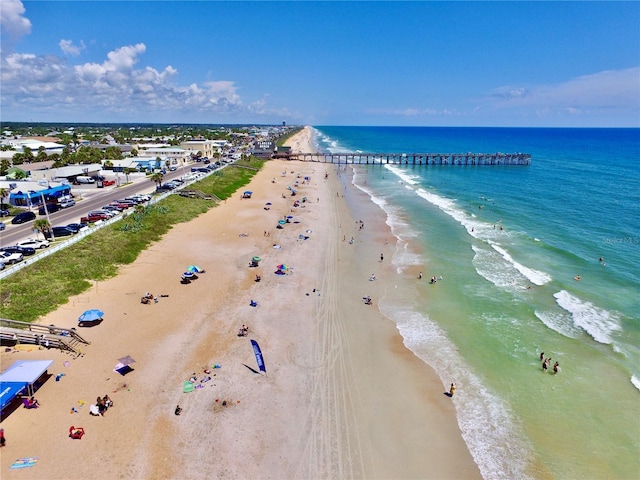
91	315
194	269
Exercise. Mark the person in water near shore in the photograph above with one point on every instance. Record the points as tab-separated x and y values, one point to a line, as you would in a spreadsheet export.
542	357
556	367
452	389
545	364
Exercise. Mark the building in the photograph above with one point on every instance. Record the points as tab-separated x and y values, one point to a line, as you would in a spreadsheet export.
175	155
31	194
207	148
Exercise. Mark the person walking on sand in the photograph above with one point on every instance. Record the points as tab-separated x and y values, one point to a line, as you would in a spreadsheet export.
381	257
420	276
3	441
452	389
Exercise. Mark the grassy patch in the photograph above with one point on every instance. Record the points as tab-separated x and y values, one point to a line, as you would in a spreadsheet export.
42	287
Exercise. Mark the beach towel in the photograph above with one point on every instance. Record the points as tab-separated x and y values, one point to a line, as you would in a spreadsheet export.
24	462
187	387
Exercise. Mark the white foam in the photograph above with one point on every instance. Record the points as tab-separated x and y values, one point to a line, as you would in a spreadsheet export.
493	268
559	322
635	381
597	322
489	428
403	175
535	276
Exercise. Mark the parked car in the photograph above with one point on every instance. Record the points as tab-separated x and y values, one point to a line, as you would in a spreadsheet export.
67	203
131	203
94	218
58	232
1	266
23	217
25	251
34	242
173	168
4	213
108	213
2	226
10	258
51	207
76	227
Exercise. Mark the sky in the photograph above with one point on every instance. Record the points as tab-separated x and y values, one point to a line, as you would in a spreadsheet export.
464	63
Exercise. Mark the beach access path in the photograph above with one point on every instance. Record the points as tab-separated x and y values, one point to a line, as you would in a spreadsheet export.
341	398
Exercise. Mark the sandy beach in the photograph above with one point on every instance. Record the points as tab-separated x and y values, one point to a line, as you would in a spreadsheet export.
341	398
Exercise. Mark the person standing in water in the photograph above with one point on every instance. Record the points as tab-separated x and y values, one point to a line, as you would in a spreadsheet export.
556	367
452	389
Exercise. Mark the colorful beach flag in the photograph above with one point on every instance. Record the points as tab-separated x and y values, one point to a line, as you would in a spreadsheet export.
258	353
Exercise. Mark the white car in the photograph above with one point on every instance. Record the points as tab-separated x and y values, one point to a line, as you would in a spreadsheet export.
67	203
34	243
8	258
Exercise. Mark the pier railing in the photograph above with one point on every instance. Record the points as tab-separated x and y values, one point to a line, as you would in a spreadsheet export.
468	159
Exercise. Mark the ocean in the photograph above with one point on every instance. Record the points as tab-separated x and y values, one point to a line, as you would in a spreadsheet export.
528	259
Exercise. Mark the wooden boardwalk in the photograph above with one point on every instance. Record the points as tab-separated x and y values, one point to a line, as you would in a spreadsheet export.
463	159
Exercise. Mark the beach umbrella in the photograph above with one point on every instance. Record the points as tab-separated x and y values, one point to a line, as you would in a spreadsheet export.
126	360
124	365
268	203
289	216
282	222
256	259
91	315
282	267
194	269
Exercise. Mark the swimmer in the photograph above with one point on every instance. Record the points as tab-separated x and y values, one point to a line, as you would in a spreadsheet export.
577	278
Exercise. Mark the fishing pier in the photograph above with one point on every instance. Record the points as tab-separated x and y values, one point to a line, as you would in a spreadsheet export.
462	159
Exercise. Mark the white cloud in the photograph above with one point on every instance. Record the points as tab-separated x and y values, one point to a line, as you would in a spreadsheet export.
114	88
12	21
68	48
610	89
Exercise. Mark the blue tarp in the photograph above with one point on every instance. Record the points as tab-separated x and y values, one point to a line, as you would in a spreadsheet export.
9	391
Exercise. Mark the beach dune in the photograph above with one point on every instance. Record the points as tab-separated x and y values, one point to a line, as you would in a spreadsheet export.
341	396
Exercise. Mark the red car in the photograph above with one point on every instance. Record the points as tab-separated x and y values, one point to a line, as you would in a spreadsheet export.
94	218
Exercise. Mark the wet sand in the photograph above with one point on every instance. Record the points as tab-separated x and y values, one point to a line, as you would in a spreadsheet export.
341	397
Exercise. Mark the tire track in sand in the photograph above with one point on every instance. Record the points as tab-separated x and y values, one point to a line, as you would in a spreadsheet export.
331	445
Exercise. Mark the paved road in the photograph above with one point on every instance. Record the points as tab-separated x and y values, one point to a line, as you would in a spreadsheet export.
92	199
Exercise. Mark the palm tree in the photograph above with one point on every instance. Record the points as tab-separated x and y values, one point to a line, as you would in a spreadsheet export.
157	178
4	193
42	225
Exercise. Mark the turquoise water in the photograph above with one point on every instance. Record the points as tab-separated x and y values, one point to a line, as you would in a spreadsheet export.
508	243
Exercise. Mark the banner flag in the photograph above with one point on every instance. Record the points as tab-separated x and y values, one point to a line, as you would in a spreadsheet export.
258	353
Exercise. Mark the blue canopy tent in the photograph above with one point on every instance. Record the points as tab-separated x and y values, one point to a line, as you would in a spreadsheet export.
9	391
26	372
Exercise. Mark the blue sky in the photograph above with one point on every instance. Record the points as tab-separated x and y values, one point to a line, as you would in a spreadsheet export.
322	63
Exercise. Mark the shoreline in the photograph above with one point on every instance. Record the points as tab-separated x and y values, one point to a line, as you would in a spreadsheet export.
342	397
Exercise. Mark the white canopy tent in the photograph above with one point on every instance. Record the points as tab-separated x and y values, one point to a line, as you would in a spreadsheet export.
25	371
